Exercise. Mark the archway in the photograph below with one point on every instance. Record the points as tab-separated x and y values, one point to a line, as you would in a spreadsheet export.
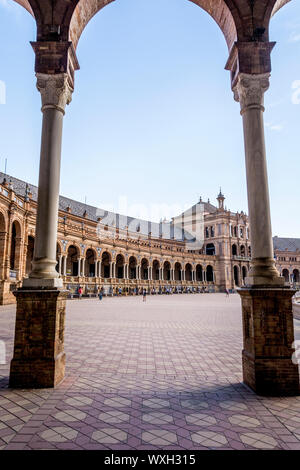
90	263
132	267
167	271
244	273
210	249
199	273
177	271
236	275
234	250
105	265
286	275
156	267
296	275
120	261
188	272
29	255
15	248
72	261
210	274
144	269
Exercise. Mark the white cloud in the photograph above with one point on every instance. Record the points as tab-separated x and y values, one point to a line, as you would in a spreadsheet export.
296	93
274	127
294	36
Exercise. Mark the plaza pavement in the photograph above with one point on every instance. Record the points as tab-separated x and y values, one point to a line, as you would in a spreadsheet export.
165	374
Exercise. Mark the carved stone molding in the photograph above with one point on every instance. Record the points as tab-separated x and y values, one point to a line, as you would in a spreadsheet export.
250	89
55	90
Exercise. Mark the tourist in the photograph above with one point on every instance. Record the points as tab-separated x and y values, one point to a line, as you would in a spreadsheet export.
144	295
79	292
227	293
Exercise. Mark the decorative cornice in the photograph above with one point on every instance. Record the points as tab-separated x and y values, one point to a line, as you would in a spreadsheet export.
250	89
55	90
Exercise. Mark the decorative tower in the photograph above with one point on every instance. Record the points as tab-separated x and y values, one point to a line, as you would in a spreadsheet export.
221	200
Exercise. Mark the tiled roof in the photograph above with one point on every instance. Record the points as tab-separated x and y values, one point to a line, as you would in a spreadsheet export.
290	244
93	213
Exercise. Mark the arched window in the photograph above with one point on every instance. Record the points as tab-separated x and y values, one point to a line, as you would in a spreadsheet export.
210	249
209	274
236	275
234	250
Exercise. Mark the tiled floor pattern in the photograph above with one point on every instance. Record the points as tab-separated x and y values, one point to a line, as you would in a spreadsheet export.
160	375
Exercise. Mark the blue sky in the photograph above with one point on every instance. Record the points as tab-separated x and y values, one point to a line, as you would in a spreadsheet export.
153	120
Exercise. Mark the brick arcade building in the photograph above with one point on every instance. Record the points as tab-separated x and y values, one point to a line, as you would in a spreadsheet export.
121	254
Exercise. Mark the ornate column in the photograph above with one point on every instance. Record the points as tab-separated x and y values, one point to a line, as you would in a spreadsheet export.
268	332
39	359
65	265
79	267
249	91
55	93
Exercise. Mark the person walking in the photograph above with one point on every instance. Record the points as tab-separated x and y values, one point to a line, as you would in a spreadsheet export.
227	293
144	295
79	292
100	294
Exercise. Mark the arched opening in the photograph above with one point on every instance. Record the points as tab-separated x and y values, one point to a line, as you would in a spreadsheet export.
29	255
156	267
249	251
199	273
286	275
234	250
188	272
209	274
58	252
166	271
72	261
243	251
296	275
105	265
144	269
90	263
210	249
177	271
2	241
120	261
244	273
236	275
132	267
15	247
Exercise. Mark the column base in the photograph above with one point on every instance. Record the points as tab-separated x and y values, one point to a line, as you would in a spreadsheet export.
39	358
268	334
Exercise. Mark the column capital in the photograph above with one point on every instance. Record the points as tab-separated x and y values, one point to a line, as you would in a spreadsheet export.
249	90
55	90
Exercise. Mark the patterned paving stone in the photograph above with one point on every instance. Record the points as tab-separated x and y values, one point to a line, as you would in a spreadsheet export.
209	439
244	421
118	402
113	417
59	434
109	436
156	403
200	419
259	441
159	437
233	405
70	415
194	404
78	401
157	418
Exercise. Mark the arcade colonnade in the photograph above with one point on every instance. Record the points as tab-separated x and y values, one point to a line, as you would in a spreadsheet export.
245	25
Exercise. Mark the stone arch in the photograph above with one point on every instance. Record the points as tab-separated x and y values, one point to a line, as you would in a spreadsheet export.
188	272
3	233
209	273
155	270
144	268
105	264
132	267
296	275
244	273
73	255
177	271
234	250
15	245
286	274
90	262
218	10
236	275
210	249
120	262
29	254
167	271
243	250
199	273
